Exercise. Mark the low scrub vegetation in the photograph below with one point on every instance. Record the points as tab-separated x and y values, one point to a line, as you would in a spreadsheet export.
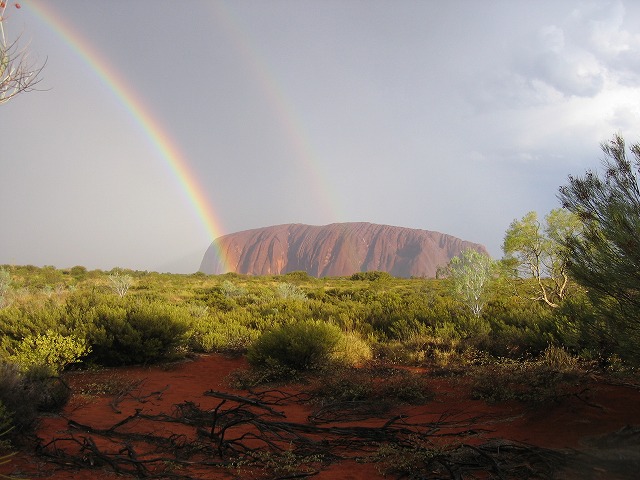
289	326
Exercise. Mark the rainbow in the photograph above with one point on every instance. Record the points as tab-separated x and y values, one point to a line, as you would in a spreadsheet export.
280	104
155	133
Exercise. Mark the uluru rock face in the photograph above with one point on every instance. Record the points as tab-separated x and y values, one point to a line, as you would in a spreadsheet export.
339	249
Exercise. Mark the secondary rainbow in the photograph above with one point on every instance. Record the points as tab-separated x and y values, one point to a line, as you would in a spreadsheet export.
153	130
281	105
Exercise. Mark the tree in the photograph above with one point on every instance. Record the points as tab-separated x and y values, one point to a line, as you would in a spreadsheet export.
605	256
17	72
120	283
471	273
536	251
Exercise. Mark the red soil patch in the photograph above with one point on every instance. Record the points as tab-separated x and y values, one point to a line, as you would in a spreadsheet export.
568	426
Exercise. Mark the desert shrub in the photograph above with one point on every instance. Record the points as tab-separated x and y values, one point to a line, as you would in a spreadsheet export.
558	359
384	387
25	394
300	346
352	350
5	287
299	276
222	333
280	464
49	352
6	425
372	276
344	385
231	290
290	291
137	331
50	393
416	342
20	321
416	454
518	329
278	311
552	376
407	387
384	312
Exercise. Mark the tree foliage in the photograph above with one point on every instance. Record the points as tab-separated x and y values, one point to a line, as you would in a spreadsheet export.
471	273
537	251
605	256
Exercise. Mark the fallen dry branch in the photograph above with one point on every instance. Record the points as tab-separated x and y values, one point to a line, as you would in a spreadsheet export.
133	390
246	434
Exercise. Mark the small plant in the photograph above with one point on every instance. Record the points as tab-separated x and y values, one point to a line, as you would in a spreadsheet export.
5	286
417	454
558	359
388	386
344	385
285	464
290	292
407	387
6	425
112	384
230	290
547	379
269	372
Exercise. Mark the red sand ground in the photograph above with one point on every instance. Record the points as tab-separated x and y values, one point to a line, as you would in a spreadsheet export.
564	425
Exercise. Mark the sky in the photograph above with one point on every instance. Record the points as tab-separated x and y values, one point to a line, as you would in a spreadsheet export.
161	124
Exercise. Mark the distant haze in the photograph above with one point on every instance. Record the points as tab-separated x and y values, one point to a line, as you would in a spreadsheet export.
450	116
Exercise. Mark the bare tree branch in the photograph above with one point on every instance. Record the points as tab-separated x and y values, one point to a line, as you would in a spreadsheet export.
18	72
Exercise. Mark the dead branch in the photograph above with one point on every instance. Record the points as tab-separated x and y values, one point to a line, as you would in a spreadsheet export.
247	433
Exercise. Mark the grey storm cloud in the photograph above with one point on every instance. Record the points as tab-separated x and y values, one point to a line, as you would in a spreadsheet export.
574	57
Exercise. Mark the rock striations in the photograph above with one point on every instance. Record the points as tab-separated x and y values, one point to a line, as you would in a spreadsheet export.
339	249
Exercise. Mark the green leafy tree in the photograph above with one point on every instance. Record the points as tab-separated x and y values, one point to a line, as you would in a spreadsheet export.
471	274
536	250
605	256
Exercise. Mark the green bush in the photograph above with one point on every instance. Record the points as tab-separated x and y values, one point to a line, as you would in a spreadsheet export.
223	332
137	331
301	346
372	276
49	351
351	351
